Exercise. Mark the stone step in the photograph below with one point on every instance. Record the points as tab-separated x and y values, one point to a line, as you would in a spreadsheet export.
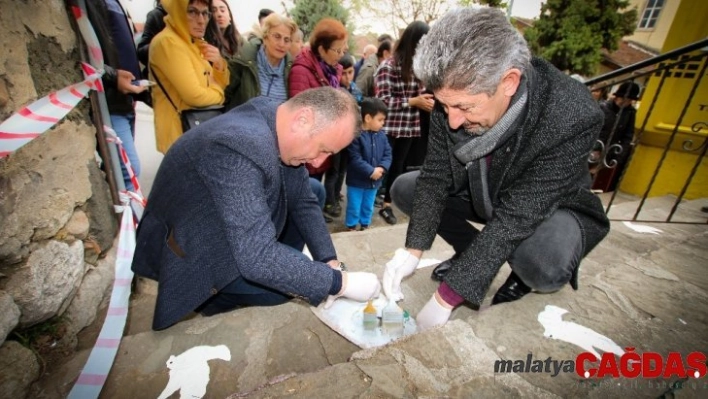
657	209
640	290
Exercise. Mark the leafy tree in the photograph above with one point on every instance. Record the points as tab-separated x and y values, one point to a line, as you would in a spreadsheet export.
307	13
571	33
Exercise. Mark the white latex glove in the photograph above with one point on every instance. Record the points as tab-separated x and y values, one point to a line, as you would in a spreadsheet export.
359	286
435	313
402	265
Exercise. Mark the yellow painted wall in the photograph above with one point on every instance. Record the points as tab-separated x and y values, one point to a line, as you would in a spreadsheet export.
689	26
655	37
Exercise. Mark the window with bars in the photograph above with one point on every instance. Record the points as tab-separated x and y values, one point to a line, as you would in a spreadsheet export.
651	14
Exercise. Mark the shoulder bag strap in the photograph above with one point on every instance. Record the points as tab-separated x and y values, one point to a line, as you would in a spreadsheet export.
163	90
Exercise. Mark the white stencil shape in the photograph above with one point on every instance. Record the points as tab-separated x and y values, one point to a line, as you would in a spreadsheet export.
189	371
552	320
640	228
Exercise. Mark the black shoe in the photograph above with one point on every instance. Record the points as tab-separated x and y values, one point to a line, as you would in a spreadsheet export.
334	210
513	289
387	214
441	270
574	278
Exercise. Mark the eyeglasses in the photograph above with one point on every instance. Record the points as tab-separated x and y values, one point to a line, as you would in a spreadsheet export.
194	13
278	37
339	51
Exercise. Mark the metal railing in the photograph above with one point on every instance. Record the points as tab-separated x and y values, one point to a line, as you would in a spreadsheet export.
609	159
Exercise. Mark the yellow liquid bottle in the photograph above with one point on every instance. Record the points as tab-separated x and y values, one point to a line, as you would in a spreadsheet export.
370	319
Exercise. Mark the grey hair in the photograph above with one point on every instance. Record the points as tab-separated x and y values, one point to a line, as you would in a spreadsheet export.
330	106
470	49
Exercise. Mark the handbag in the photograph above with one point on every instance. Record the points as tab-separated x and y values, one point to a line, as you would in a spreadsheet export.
193	117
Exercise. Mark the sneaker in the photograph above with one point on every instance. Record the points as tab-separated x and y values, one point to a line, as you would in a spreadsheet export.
363	228
387	214
353	228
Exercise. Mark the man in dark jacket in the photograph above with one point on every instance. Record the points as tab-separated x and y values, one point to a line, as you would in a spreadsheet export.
154	24
114	31
618	129
509	141
212	233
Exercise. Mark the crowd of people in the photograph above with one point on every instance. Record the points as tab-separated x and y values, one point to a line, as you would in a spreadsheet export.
451	123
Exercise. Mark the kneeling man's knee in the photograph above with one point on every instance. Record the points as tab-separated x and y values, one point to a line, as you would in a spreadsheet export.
402	191
545	261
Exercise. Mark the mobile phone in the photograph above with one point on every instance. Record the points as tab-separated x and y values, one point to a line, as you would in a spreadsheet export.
143	82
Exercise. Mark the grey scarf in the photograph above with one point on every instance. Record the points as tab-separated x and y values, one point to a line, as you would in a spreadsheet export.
474	150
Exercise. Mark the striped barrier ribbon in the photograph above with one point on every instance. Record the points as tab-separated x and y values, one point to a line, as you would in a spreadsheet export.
100	361
88	34
32	120
38	117
138	202
112	137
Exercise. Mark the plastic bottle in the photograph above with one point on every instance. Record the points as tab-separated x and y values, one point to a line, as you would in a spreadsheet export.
392	322
370	319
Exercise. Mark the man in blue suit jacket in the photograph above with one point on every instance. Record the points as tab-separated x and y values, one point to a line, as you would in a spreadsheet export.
211	234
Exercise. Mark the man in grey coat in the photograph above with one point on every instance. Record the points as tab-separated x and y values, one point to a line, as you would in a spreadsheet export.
365	77
509	143
213	235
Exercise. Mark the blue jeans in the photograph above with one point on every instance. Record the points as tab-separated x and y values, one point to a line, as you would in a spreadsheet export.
360	206
124	125
545	261
319	190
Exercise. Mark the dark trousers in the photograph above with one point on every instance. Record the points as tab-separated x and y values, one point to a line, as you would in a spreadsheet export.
334	177
241	293
399	154
545	261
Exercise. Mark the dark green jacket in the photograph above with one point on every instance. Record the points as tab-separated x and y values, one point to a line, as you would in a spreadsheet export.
244	83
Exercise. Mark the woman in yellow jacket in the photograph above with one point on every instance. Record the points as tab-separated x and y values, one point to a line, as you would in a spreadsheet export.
190	70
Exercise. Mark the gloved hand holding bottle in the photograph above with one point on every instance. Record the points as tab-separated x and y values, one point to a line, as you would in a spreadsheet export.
402	265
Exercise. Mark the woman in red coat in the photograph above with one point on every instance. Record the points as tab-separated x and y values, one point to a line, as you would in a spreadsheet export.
318	66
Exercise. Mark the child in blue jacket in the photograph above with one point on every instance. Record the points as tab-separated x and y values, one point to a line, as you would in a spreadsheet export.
369	159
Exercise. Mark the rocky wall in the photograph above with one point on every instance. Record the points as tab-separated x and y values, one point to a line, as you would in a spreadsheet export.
56	217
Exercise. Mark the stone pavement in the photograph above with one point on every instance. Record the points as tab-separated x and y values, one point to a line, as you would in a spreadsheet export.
644	291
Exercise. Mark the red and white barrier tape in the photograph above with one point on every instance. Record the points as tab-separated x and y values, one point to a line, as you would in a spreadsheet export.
112	137
89	36
38	117
100	361
32	120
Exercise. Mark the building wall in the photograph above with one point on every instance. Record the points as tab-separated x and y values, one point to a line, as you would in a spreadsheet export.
655	37
675	124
